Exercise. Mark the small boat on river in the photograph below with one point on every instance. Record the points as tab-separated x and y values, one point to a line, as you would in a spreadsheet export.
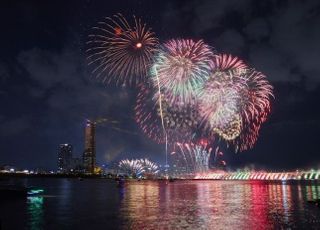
10	190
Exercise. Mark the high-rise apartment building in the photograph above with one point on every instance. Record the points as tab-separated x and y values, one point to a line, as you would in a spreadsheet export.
64	158
89	155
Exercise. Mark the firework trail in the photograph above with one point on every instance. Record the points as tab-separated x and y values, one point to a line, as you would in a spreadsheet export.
195	156
121	52
179	122
178	69
181	66
161	115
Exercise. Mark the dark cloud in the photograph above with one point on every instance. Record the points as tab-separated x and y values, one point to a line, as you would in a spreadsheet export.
268	60
12	127
295	33
4	73
67	93
63	82
231	41
60	87
278	38
208	15
257	30
48	69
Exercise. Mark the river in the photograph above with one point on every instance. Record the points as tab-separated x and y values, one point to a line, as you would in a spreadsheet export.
100	204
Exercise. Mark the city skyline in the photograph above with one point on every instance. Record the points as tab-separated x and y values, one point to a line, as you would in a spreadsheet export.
48	91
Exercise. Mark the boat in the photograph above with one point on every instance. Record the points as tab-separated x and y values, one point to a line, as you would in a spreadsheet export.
19	191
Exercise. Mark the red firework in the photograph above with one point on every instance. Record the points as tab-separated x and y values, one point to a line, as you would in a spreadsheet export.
255	107
224	62
121	52
179	122
234	102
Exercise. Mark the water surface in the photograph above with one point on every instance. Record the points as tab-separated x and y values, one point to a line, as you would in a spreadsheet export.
100	204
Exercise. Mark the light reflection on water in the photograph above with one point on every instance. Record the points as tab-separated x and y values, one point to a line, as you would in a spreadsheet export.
73	204
35	211
219	205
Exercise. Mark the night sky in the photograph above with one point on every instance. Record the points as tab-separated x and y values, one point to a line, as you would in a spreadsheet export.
47	91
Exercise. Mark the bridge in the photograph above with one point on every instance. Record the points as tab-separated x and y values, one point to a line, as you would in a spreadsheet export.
259	175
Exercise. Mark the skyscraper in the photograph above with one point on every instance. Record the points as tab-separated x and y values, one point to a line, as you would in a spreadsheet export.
89	155
64	158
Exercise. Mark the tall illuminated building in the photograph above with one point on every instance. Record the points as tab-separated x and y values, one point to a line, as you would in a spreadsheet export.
89	155
64	158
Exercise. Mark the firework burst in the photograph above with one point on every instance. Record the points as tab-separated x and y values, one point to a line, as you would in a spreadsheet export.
179	122
120	51
149	166
180	68
186	91
234	103
255	106
131	167
225	62
219	105
138	167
